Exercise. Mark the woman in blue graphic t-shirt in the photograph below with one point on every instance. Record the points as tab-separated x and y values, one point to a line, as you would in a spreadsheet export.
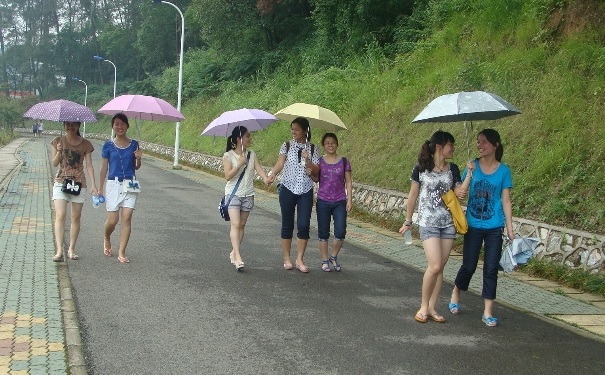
121	158
489	213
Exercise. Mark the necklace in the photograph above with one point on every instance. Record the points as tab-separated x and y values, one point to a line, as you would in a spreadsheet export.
441	169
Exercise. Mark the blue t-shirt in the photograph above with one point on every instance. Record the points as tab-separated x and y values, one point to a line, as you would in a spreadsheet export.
121	160
484	209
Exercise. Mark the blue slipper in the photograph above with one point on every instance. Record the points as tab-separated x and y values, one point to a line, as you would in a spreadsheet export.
489	321
454	308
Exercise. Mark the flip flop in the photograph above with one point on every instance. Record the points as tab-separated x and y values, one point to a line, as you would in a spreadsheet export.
436	318
420	317
72	256
108	252
489	321
302	267
454	308
123	260
288	266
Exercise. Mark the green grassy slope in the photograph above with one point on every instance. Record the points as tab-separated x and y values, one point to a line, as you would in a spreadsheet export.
552	68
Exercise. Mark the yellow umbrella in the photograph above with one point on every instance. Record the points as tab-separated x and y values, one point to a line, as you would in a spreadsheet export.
319	117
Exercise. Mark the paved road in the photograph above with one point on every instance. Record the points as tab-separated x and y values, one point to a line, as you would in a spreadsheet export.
179	307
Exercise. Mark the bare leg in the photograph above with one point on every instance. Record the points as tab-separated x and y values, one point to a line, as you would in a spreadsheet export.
445	249
301	246
236	233
60	214
76	215
286	244
110	225
488	308
433	274
125	230
336	246
323	249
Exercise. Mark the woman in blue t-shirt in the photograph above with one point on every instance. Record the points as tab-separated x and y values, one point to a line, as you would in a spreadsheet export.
121	158
489	211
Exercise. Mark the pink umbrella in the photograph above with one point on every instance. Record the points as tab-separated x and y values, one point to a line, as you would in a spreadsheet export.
252	119
142	107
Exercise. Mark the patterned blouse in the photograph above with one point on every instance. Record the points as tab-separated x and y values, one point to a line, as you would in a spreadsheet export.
294	177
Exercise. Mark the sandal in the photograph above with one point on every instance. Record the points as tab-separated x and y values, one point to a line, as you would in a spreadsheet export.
454	308
302	267
420	317
325	265
288	266
239	265
108	252
123	259
489	321
335	264
436	318
231	258
57	258
72	256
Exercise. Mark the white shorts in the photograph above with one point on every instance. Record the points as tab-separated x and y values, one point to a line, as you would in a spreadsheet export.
116	198
58	194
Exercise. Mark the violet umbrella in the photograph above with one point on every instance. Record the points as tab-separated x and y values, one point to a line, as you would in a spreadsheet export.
142	107
60	111
252	119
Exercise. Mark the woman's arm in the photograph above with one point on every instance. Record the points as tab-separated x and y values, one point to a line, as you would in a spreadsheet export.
261	172
91	172
462	189
409	213
137	158
279	165
508	213
103	175
56	154
349	188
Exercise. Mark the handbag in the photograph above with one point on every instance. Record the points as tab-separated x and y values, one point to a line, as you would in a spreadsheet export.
453	205
131	186
71	186
223	207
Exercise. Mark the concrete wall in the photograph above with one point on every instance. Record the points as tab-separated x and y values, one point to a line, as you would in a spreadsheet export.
575	249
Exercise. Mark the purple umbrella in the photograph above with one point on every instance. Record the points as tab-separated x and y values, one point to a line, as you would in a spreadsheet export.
252	119
60	111
142	107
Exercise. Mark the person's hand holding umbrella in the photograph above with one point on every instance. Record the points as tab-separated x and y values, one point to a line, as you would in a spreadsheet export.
470	166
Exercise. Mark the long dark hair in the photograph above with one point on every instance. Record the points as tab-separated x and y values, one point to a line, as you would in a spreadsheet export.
304	124
425	156
237	132
493	137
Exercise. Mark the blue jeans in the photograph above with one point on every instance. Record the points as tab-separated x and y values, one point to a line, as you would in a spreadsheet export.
303	205
491	239
325	211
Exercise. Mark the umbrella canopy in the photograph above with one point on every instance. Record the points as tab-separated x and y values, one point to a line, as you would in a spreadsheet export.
252	119
466	106
142	107
60	111
319	117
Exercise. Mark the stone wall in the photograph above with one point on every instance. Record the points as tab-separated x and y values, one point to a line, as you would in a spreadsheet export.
575	249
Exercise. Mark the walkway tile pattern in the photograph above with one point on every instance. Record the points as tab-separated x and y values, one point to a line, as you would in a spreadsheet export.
31	324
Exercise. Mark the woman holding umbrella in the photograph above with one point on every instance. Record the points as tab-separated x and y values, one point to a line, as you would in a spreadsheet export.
121	158
237	160
69	153
489	212
298	158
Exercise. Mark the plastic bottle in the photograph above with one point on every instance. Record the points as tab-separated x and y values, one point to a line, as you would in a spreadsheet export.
97	200
407	237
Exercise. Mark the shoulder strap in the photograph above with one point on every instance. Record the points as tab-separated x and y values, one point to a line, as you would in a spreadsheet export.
239	179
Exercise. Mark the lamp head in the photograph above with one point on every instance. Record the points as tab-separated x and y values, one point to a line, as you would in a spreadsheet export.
157	1
75	78
98	58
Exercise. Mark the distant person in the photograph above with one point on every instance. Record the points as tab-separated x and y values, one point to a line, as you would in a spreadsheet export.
68	153
121	158
298	158
334	200
235	162
432	177
40	128
35	129
489	212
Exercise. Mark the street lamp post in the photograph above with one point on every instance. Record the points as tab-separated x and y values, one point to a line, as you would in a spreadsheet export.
178	106
85	97
115	78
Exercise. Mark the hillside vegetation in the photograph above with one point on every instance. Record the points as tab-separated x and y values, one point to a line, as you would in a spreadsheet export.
545	57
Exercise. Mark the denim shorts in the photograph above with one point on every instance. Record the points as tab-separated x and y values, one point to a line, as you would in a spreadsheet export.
243	203
443	233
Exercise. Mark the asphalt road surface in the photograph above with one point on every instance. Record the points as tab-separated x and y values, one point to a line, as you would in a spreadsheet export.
180	307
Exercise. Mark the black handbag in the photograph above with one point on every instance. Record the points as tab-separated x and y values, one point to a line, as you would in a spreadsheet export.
71	186
223	207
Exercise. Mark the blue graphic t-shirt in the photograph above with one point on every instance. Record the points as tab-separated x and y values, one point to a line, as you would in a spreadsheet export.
484	209
121	160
